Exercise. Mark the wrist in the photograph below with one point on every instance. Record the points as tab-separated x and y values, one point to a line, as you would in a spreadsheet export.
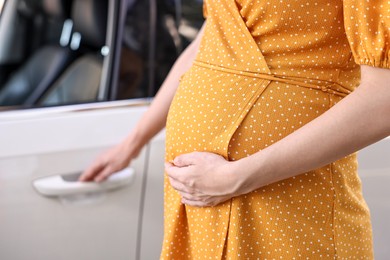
238	173
133	143
250	174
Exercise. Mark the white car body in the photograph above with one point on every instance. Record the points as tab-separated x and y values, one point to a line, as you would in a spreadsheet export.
123	224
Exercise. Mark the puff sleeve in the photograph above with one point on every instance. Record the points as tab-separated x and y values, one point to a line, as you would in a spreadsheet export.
367	25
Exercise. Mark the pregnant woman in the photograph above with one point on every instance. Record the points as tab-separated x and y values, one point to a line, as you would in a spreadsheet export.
274	99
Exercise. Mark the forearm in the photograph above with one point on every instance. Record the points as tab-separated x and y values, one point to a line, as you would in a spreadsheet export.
360	119
154	119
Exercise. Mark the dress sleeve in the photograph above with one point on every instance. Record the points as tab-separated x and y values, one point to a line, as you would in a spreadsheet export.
367	24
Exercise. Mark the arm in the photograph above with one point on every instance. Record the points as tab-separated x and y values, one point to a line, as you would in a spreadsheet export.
150	124
360	119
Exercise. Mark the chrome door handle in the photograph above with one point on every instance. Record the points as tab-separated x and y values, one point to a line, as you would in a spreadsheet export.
62	185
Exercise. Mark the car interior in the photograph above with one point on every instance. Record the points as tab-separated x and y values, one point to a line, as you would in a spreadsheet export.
59	52
89	22
53	47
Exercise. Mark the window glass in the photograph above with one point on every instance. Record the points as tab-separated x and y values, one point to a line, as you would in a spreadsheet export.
49	57
177	23
191	19
1	5
133	75
51	54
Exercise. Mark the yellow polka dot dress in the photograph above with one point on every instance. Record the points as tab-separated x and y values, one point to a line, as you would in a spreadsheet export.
264	69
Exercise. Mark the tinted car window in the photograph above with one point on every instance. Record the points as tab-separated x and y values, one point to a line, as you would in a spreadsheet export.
179	23
1	5
176	25
51	52
151	35
133	69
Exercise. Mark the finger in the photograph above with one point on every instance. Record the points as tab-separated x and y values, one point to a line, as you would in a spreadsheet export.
192	197
180	187
186	159
91	172
168	165
177	173
104	174
194	203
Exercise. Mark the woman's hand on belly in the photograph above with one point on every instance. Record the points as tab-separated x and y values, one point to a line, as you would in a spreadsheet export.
203	179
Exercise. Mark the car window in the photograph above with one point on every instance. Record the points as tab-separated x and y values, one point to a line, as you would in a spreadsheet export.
1	5
147	58
51	53
134	70
54	56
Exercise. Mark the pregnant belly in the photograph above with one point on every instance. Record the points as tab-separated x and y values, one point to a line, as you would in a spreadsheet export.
234	115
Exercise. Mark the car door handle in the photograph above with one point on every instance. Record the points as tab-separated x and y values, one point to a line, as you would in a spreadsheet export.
62	185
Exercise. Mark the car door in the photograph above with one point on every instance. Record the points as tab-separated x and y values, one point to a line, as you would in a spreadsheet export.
42	219
44	213
37	145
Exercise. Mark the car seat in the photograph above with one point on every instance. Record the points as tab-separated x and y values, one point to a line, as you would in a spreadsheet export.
81	80
27	84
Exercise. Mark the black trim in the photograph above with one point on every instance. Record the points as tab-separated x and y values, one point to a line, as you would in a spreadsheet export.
115	49
152	48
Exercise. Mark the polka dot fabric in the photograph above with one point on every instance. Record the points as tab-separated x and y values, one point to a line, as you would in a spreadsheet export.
264	69
367	24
